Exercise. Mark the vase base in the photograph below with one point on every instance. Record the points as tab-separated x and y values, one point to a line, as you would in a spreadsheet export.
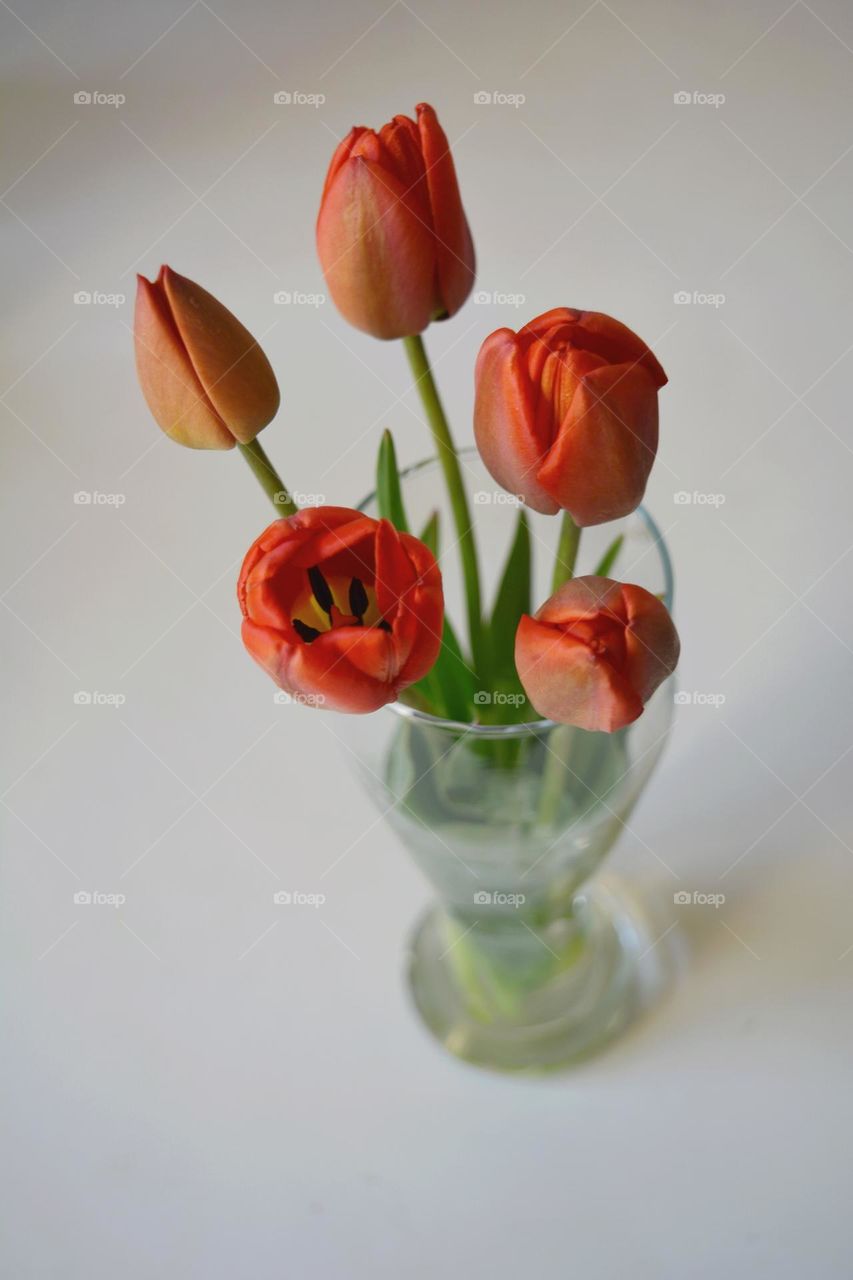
582	1005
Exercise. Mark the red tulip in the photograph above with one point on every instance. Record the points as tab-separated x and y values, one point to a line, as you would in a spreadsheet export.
206	380
340	609
594	654
566	413
392	236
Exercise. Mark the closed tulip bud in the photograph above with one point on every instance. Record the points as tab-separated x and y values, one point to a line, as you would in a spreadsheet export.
341	610
594	654
206	380
392	236
566	414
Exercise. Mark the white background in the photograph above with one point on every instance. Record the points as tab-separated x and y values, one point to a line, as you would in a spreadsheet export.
197	1085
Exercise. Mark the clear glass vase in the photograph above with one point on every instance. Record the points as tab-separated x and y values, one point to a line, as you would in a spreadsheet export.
522	964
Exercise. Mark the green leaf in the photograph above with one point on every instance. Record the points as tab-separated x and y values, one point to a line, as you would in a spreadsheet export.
607	561
448	689
389	496
512	600
449	686
429	534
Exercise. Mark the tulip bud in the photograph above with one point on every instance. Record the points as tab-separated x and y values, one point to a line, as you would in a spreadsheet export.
566	414
392	236
207	382
594	654
343	611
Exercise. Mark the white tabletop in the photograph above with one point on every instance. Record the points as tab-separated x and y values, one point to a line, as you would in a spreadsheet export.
195	1086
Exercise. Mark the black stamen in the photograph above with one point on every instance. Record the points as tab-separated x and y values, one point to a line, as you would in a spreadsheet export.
321	589
302	629
384	624
358	600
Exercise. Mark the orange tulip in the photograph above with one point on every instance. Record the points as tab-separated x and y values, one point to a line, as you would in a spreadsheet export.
566	413
594	654
392	236
340	609
207	382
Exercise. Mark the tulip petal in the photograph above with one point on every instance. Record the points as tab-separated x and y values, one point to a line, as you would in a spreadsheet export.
402	155
268	582
504	422
169	382
394	571
317	672
652	642
342	153
377	254
232	368
583	599
598	333
599	464
454	247
566	682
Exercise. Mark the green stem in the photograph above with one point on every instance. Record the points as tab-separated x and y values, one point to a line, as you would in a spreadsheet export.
567	552
555	775
268	478
447	456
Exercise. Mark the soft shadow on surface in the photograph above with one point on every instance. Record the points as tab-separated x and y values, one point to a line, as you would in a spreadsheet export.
784	930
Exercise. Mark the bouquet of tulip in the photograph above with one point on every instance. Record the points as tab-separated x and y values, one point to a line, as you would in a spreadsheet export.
345	611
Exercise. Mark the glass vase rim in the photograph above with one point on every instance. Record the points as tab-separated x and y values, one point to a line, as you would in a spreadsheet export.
528	727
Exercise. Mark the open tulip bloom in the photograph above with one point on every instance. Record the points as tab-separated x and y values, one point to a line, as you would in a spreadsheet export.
345	612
